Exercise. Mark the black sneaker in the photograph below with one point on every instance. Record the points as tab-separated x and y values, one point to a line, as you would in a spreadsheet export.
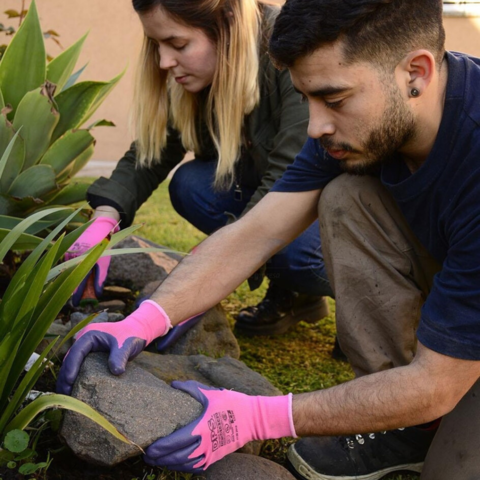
360	457
280	310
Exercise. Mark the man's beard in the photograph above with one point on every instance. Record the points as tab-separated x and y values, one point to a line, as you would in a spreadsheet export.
395	128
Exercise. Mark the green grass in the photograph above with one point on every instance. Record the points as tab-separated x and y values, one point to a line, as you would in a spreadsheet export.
299	361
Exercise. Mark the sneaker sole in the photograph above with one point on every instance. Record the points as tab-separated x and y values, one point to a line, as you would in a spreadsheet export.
305	472
309	315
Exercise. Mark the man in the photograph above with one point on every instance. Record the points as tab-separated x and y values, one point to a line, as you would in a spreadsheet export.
401	248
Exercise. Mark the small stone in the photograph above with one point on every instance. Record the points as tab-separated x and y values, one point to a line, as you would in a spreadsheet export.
115	292
240	466
56	329
112	305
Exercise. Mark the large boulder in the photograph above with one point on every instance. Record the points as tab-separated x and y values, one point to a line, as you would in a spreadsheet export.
223	372
141	406
212	336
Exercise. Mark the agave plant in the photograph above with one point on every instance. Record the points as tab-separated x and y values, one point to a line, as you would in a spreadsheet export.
43	104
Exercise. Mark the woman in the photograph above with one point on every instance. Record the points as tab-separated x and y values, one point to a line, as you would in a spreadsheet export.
205	84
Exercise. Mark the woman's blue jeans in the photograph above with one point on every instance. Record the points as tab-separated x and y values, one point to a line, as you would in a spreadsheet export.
298	267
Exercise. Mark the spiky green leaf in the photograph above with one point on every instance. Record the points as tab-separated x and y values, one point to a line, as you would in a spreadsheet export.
77	104
23	65
66	149
72	193
34	182
60	69
37	116
73	78
15	158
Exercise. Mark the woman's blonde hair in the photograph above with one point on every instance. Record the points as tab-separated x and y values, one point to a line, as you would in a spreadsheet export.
234	27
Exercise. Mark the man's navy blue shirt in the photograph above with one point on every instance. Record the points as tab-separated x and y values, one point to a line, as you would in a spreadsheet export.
441	202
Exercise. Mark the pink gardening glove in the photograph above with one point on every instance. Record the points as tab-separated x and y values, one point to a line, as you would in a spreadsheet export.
123	340
229	421
100	228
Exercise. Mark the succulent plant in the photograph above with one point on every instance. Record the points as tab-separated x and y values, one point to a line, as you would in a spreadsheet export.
42	103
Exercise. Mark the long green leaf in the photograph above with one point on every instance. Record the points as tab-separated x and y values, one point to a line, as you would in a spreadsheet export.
44	402
7	223
38	116
34	285
77	104
66	149
23	242
2	101
61	67
8	357
32	259
46	315
23	65
36	281
11	238
26	385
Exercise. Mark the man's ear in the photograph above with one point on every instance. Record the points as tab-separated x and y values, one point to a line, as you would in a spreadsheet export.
417	70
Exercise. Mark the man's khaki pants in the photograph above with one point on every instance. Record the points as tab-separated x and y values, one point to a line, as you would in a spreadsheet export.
381	275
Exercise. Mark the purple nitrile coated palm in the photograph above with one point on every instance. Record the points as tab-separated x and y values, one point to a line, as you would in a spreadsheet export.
176	332
97	341
174	451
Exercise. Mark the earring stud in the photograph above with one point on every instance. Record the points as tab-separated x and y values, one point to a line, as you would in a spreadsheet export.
414	92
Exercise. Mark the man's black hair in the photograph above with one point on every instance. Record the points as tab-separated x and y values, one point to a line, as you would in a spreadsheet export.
378	31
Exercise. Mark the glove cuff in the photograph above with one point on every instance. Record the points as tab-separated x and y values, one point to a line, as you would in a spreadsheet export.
157	323
274	417
109	224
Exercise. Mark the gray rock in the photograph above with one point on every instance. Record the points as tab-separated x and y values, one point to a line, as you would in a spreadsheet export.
239	466
224	372
77	317
113	305
135	402
211	336
141	268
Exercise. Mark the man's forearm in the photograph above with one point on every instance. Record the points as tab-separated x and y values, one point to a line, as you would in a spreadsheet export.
229	256
218	266
418	393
